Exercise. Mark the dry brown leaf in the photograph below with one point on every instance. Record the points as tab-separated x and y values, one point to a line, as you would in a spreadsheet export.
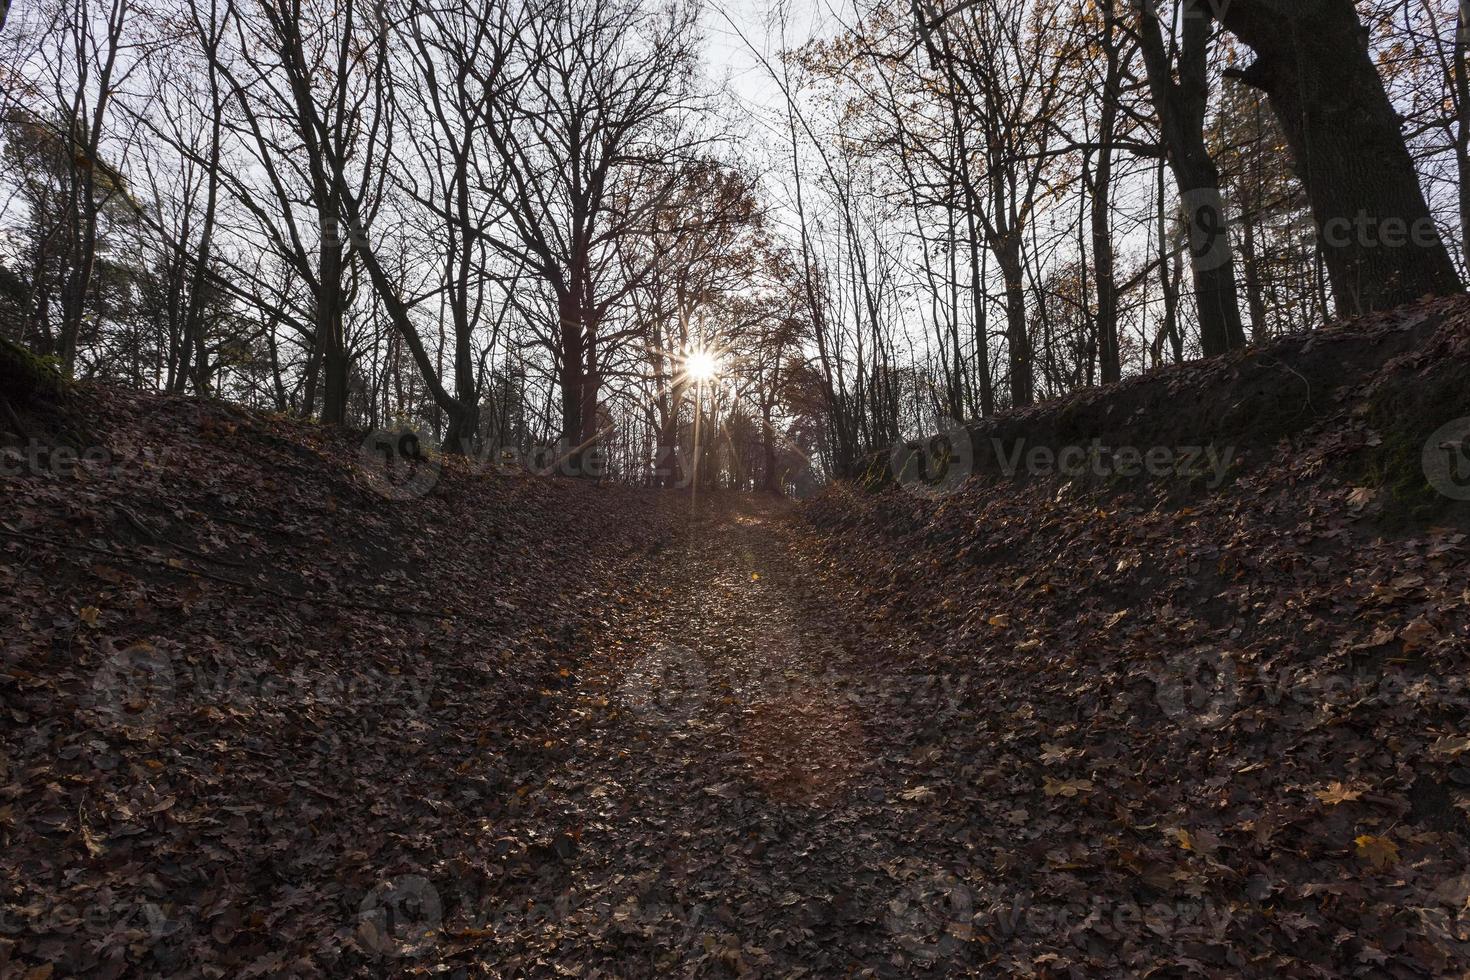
1381	852
1337	793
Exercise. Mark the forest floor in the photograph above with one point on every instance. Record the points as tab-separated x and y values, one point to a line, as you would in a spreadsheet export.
266	715
742	779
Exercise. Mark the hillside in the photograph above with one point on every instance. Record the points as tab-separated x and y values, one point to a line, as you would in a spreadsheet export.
1236	692
241	681
271	716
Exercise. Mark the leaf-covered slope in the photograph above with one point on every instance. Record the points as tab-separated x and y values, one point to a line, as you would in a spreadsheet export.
240	685
1397	376
1251	700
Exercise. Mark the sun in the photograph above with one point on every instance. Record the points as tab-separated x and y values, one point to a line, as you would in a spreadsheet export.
701	365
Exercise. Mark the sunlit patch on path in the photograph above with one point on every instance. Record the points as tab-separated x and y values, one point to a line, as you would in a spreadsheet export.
739	800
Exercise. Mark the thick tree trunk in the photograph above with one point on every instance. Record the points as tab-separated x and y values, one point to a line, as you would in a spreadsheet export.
329	331
335	365
667	457
578	383
1210	259
588	459
463	427
1379	242
24	377
463	433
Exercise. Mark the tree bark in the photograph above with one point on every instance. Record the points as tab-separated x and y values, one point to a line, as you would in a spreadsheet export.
329	332
1181	109
1110	362
1018	341
571	377
1380	244
1460	79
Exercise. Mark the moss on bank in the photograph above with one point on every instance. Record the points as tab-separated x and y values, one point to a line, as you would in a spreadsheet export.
25	377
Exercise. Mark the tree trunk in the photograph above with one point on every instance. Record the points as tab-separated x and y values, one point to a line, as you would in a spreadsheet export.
1254	297
570	374
1380	244
1210	259
1460	79
1109	355
1110	361
770	480
329	328
463	433
667	457
24	377
1181	109
1018	341
393	304
587	460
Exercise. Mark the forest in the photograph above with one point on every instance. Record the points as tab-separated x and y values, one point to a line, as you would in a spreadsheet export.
506	227
645	487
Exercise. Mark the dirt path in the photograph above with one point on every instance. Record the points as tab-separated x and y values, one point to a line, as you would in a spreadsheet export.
728	799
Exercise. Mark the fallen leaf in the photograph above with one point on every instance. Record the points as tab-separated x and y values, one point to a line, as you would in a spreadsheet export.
1066	787
1381	852
1336	793
1419	633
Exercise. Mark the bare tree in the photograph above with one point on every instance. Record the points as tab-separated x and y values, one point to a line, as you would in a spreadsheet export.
589	138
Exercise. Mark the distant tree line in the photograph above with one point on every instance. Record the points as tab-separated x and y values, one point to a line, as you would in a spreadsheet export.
508	224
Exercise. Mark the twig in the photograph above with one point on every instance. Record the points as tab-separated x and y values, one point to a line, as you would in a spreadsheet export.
145	529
